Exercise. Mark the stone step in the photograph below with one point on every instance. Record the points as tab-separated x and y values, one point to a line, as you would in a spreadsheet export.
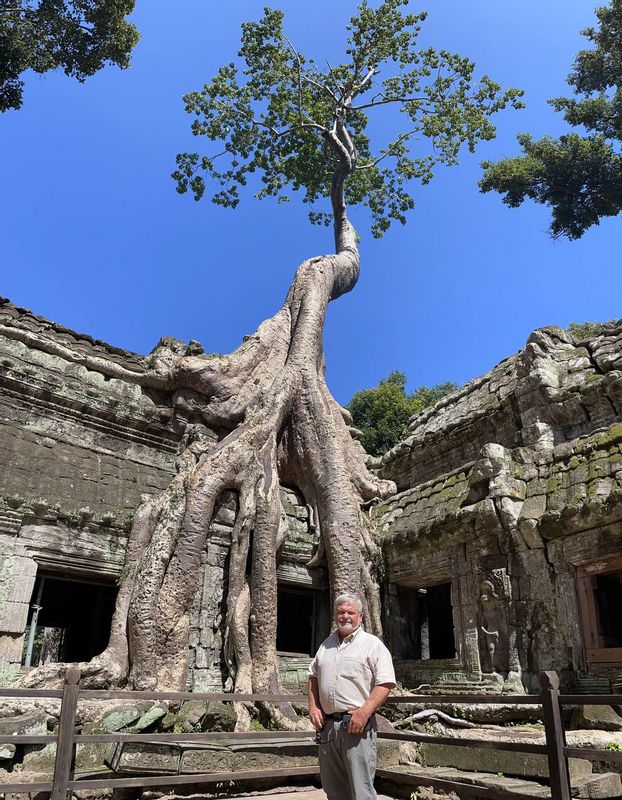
604	784
592	684
516	764
520	786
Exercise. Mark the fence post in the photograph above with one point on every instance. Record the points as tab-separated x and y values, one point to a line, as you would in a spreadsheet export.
555	738
63	765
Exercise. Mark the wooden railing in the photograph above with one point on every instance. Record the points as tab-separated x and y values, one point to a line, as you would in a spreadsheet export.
64	781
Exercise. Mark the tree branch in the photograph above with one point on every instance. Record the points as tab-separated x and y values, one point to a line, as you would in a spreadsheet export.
373	103
389	152
297	57
370	74
322	87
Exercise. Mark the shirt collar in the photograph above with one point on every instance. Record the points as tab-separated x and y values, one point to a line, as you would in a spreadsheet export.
350	637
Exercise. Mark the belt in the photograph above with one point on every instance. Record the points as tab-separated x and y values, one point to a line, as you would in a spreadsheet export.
337	715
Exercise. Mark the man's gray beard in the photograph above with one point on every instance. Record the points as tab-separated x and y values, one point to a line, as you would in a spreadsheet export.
342	626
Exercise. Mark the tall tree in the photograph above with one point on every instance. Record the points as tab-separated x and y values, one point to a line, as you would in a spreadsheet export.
382	413
300	127
579	176
77	36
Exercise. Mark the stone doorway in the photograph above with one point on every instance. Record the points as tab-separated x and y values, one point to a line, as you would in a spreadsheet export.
302	621
71	620
599	590
425	630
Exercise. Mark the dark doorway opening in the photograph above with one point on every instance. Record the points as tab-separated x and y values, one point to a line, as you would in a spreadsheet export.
72	620
441	625
423	626
608	596
298	612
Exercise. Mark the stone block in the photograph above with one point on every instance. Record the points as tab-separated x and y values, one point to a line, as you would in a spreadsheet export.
39	758
11	647
605	785
219	717
32	723
207	759
602	718
150	716
509	763
7	751
145	758
13	617
267	754
118	718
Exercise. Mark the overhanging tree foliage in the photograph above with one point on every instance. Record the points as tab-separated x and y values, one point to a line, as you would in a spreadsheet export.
579	176
299	127
77	36
382	413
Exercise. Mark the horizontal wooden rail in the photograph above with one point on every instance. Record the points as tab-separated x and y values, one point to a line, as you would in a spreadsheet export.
16	788
484	744
594	754
467	699
250	736
225	697
40	738
199	777
590	699
7	692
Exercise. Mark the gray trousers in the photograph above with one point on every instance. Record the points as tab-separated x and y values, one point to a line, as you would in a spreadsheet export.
347	762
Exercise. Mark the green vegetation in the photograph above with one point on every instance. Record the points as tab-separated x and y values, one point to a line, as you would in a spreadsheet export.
585	330
77	36
294	121
382	413
578	175
615	747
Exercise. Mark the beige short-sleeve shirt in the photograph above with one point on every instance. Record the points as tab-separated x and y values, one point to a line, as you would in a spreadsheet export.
348	670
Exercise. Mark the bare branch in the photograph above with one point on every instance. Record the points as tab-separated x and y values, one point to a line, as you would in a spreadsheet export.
331	70
297	57
310	125
278	134
389	151
373	102
370	74
322	86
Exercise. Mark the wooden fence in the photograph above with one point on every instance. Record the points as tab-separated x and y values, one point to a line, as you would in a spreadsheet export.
63	782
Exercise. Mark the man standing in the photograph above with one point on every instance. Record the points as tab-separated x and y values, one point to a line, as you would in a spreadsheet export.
349	678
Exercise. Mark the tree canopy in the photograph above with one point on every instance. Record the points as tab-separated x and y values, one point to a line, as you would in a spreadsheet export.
77	36
382	413
578	175
292	120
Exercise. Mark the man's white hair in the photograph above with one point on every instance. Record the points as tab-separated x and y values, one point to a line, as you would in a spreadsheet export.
342	599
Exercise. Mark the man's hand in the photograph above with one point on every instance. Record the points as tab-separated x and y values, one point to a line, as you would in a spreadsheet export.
317	718
316	715
361	715
359	720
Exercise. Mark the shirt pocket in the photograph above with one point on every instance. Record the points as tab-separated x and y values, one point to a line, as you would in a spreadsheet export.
354	669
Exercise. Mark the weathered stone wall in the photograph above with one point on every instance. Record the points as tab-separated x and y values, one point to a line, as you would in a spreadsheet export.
556	389
508	486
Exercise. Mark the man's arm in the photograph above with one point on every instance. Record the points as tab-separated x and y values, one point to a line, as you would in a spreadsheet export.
361	715
315	709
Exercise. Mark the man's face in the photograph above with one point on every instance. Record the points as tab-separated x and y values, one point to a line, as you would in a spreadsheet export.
348	618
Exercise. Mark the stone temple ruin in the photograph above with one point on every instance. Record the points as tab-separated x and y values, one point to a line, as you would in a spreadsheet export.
502	549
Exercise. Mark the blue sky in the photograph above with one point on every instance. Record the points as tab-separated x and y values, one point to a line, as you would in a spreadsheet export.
93	235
